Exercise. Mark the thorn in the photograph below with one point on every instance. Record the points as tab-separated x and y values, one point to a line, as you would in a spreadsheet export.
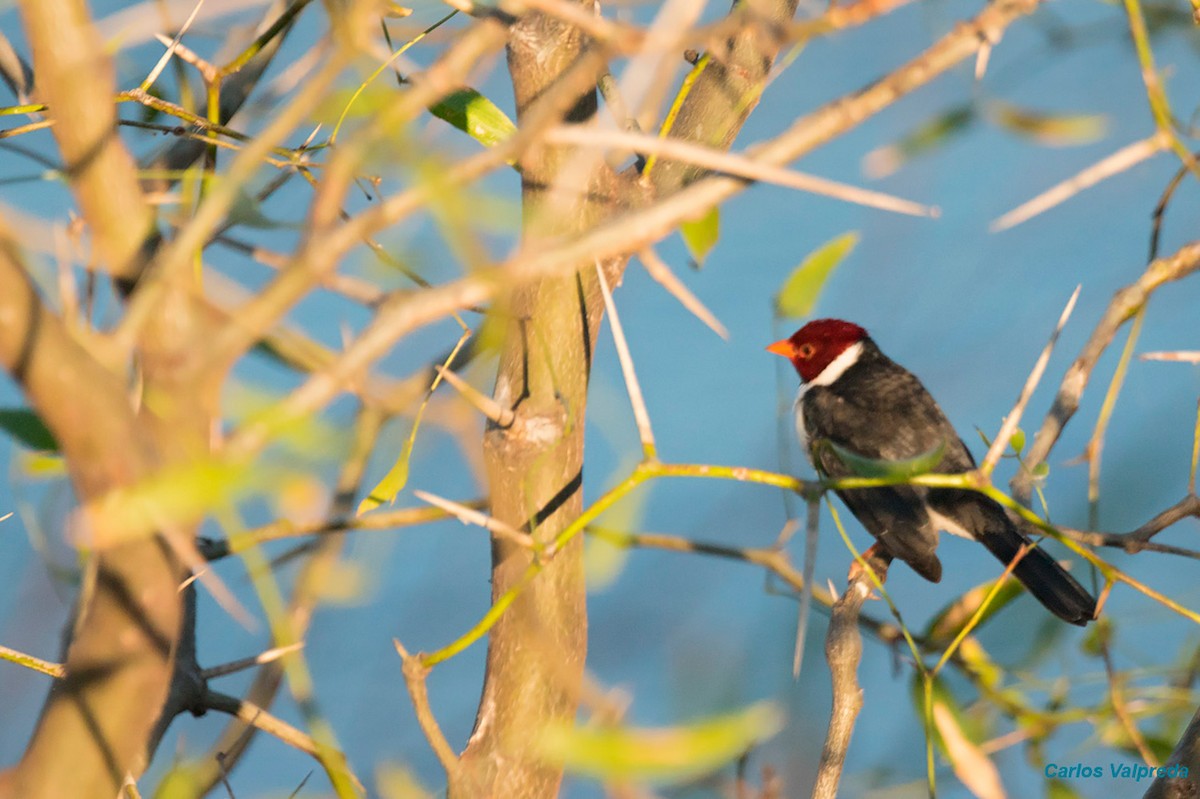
504	417
471	516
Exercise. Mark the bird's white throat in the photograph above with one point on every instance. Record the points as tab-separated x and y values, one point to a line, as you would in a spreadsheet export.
836	368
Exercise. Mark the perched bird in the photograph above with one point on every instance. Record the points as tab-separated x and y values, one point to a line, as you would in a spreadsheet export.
857	399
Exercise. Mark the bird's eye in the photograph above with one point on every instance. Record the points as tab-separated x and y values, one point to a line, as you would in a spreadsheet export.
806	351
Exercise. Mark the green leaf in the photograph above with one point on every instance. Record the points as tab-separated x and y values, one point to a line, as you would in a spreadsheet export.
247	212
27	429
1051	129
1060	789
800	291
181	494
701	235
870	467
475	115
1017	441
662	755
385	491
936	132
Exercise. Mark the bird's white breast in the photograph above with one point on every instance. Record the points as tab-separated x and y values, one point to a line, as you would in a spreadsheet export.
801	430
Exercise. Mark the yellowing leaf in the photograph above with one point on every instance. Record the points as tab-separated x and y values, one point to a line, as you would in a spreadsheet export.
976	771
701	235
1054	130
665	754
178	495
344	583
475	115
393	482
948	623
800	291
397	782
41	465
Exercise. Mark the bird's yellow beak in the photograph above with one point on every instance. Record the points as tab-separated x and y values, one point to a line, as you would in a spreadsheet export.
782	347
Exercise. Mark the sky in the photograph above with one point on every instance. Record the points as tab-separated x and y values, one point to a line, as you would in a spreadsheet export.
965	309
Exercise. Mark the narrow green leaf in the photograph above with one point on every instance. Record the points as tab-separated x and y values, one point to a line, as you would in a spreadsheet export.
247	212
936	132
27	429
393	482
870	467
475	115
1051	129
701	235
663	755
800	291
397	477
1061	789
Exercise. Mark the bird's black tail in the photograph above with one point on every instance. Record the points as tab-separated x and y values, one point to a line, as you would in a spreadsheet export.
1041	574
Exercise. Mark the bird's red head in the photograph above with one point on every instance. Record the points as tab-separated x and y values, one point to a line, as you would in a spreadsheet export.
813	347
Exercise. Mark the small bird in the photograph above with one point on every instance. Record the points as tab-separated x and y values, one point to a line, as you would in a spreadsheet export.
856	398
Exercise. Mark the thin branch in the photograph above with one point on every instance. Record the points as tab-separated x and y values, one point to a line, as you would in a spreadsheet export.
1094	450
1120	161
735	165
811	535
481	402
1000	443
640	414
1116	696
415	673
172	46
843	650
260	659
662	274
471	516
1176	356
261	720
1124	305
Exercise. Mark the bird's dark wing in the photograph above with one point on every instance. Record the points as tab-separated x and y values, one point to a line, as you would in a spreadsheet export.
884	418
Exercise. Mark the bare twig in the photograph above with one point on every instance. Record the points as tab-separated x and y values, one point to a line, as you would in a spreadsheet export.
1120	161
1094	450
843	649
735	165
1123	306
471	516
1176	356
1039	368
260	659
480	401
640	414
172	46
415	672
811	535
663	275
1116	696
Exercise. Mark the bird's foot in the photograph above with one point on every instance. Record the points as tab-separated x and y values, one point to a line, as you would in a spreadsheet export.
875	559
